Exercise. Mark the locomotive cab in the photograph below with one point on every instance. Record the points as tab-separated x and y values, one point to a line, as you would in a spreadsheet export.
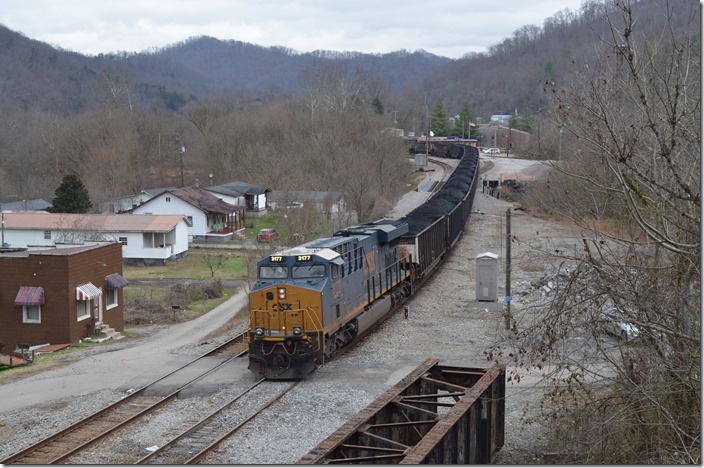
286	304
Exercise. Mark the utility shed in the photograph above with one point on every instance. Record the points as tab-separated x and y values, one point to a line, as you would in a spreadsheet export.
487	277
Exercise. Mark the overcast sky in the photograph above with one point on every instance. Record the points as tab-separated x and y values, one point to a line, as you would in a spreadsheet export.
449	28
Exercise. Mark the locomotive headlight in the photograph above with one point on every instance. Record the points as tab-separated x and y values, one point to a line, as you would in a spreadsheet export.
297	331
259	331
282	293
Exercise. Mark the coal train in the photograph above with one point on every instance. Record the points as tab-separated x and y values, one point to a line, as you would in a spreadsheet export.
311	300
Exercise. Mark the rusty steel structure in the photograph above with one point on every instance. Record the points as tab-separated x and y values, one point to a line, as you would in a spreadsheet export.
435	415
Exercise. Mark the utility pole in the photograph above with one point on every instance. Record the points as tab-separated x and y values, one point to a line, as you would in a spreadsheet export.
181	151
508	269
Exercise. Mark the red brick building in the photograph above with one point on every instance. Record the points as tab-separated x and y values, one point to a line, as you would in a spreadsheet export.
59	296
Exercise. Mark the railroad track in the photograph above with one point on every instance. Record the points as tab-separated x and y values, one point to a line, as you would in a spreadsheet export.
447	170
198	440
78	437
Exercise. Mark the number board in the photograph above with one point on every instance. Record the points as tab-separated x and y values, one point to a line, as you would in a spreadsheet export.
276	258
303	258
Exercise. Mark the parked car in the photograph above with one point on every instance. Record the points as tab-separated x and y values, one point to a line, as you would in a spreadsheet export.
267	235
614	322
492	151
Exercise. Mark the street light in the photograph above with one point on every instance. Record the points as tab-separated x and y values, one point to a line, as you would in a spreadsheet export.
181	151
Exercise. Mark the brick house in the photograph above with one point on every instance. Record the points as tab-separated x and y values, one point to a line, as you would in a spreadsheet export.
59	296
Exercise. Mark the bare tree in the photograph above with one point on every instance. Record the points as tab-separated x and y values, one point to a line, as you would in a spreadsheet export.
632	181
214	260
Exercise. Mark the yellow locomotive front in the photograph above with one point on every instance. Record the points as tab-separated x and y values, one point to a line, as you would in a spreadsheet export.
286	304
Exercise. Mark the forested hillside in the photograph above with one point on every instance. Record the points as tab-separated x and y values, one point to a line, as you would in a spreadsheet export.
234	104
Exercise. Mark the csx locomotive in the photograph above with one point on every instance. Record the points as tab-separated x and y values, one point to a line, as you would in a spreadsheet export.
311	300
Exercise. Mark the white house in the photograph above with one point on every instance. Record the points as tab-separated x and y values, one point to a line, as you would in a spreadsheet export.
210	219
252	197
145	239
124	204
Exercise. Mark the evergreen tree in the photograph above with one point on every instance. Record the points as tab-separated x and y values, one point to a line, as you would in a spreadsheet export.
440	121
522	121
377	105
464	118
71	196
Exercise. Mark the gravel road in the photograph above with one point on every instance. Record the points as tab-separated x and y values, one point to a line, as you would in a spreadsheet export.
445	323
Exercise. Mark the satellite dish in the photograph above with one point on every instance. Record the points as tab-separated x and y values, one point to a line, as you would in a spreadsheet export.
432	134
210	175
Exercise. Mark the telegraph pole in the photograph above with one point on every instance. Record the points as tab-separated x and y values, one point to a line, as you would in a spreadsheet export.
182	151
508	269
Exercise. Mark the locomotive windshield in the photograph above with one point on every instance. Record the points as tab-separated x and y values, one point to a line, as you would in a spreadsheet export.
308	271
273	272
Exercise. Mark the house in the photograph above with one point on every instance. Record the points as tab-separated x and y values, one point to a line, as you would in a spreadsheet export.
36	204
124	204
59	296
329	203
500	118
145	239
210	219
252	197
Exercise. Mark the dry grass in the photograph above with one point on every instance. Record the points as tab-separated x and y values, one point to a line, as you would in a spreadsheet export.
193	266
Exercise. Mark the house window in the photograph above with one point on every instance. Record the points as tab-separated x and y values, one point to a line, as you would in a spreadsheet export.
110	298
168	199
83	310
190	220
47	235
123	240
32	314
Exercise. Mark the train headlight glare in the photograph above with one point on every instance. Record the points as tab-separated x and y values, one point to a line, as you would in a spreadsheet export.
259	331
282	293
297	331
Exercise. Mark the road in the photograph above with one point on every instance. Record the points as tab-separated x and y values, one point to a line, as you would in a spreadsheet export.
132	366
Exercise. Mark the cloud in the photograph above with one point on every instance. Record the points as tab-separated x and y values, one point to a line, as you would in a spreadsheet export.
447	27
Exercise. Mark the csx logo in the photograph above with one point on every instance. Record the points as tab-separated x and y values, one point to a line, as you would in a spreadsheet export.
281	306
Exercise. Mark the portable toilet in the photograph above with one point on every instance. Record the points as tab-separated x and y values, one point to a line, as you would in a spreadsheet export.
487	277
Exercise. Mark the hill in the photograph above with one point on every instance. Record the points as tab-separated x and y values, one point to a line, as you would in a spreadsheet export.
38	77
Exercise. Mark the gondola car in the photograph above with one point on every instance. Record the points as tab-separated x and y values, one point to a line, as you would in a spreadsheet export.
311	300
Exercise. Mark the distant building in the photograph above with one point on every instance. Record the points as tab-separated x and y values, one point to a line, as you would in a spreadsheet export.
252	197
329	203
37	204
124	204
501	118
500	136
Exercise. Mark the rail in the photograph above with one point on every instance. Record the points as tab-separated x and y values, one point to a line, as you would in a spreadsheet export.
78	437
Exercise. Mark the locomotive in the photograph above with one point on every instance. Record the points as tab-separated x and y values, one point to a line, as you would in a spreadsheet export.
311	300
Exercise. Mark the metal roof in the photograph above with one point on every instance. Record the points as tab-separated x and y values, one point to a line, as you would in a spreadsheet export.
91	222
201	199
237	189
